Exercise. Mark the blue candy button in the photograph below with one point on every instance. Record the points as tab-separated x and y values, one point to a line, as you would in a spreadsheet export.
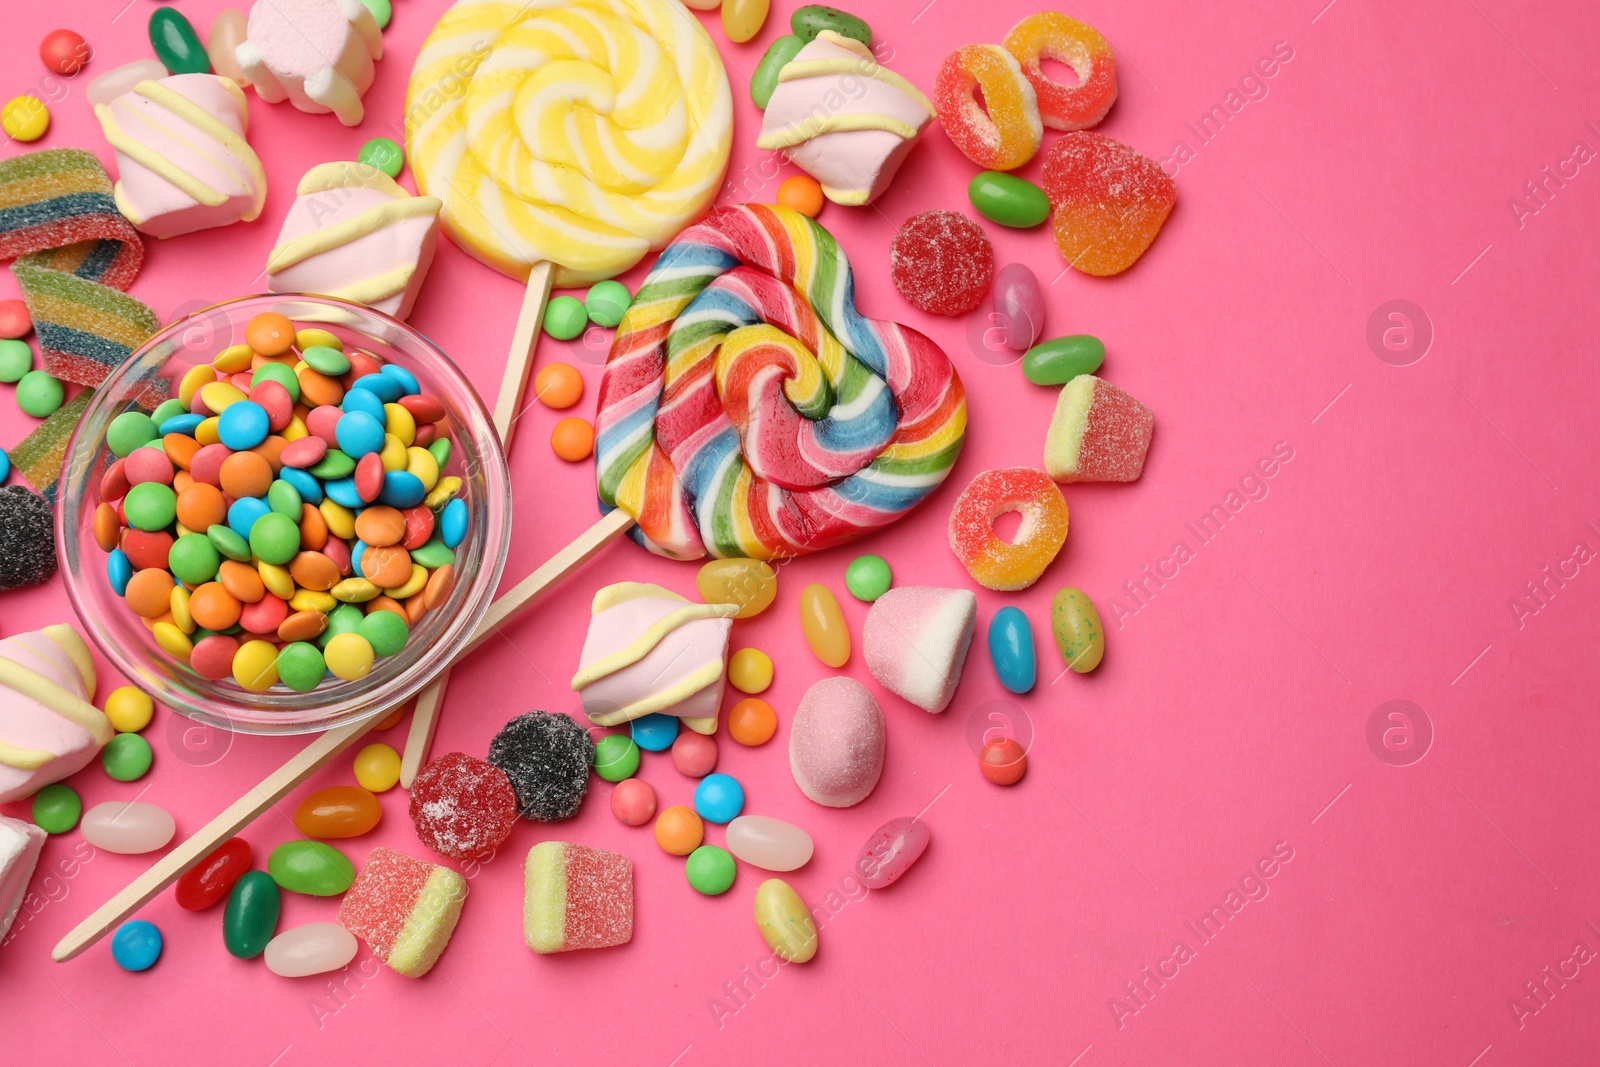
136	945
401	489
719	798
242	425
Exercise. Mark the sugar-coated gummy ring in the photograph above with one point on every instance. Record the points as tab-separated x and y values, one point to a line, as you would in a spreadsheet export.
1052	35
1004	132
993	562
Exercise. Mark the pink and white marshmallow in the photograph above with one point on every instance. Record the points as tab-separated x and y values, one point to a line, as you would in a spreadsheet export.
317	54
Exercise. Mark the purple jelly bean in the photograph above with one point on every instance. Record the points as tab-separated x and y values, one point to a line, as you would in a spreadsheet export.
891	850
1019	306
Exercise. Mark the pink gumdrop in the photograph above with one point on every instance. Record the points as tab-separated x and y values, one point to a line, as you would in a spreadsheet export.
837	741
206	466
148	465
113	83
1019	305
322	422
891	850
633	802
694	754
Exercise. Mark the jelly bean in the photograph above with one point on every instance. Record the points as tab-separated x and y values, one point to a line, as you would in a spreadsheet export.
1058	361
710	870
337	811
387	155
765	79
377	768
25	118
808	21
310	867
1076	625
57	808
752	721
868	577
1003	761
616	757
128	827
718	798
175	43
210	880
606	302
823	625
750	583
1008	200
679	830
136	945
251	915
768	843
127	757
654	733
695	755
16	359
565	318
784	921
891	850
1011	649
1018	307
118	80
314	948
38	394
802	193
633	802
750	670
743	19
222	42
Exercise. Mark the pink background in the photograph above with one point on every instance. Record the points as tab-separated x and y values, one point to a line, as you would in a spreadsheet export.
1230	716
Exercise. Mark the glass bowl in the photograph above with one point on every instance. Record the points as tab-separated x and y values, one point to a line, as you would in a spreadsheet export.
122	637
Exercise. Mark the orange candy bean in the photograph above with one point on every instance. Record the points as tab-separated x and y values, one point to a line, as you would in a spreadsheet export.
416	607
752	721
559	385
271	450
269	333
801	193
441	583
313	528
337	811
302	626
386	566
108	528
318	389
572	439
387	603
180	448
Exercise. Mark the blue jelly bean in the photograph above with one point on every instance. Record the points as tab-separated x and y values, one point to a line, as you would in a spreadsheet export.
1011	649
342	491
5	465
306	485
243	513
453	523
359	434
357	550
242	425
184	424
719	798
407	380
385	387
655	732
136	945
401	489
119	570
362	400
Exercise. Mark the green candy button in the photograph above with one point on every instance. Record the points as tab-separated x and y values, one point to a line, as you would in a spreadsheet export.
616	757
868	577
16	359
607	302
710	870
382	152
565	317
56	808
274	538
301	666
150	506
127	757
39	395
385	631
193	559
327	360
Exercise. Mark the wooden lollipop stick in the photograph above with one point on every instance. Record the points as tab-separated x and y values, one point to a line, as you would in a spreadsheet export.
276	786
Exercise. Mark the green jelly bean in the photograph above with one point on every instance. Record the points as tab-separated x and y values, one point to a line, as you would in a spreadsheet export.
176	44
274	538
277	372
765	79
385	631
150	506
251	915
333	465
1008	199
607	302
301	666
311	867
130	430
56	808
228	542
16	359
193	558
868	577
440	449
711	870
565	317
433	555
382	152
808	21
1058	361
326	360
39	395
616	757
284	499
127	757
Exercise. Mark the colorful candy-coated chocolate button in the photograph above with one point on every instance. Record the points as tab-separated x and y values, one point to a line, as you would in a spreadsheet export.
210	880
312	948
16	359
1008	200
15	322
765	79
808	21
1003	761
565	317
784	921
868	577
377	768
301	666
743	19
385	631
255	665
1011	649
616	757
750	670
349	656
452	525
891	850
39	394
710	870
251	915
606	302
64	52
823	625
175	43
802	193
1058	361
679	830
150	506
752	721
337	811
136	945
274	538
572	439
654	733
633	802
311	867
127	757
1075	622
119	571
750	583
129	709
695	755
57	808
768	843
130	430
718	798
383	153
25	118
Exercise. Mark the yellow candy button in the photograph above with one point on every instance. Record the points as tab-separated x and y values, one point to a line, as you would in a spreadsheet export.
306	338
441	494
206	433
349	656
393	454
378	768
420	461
277	580
750	670
341	520
295	430
413	585
25	118
192	380
129	709
355	591
179	607
218	395
398	421
311	600
255	666
233	359
173	641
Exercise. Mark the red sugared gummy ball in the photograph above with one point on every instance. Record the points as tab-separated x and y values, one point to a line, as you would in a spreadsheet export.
15	321
462	807
942	262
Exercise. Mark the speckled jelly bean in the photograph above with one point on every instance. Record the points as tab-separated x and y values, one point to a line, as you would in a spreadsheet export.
765	78
784	921
1079	635
808	21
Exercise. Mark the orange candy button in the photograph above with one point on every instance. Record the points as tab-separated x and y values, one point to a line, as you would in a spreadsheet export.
386	566
212	607
303	626
242	582
801	193
269	333
679	830
380	526
149	593
108	528
441	583
752	721
559	385
572	439
314	571
201	506
246	474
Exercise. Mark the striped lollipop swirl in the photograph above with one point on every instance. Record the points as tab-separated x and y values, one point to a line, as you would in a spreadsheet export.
748	409
582	133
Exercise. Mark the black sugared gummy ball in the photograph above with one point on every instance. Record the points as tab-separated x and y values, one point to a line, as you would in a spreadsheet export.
547	757
27	538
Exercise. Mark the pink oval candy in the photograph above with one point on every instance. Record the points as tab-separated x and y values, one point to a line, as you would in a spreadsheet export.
837	742
148	465
323	422
118	80
275	399
891	850
314	948
369	476
128	827
306	452
1019	305
768	843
